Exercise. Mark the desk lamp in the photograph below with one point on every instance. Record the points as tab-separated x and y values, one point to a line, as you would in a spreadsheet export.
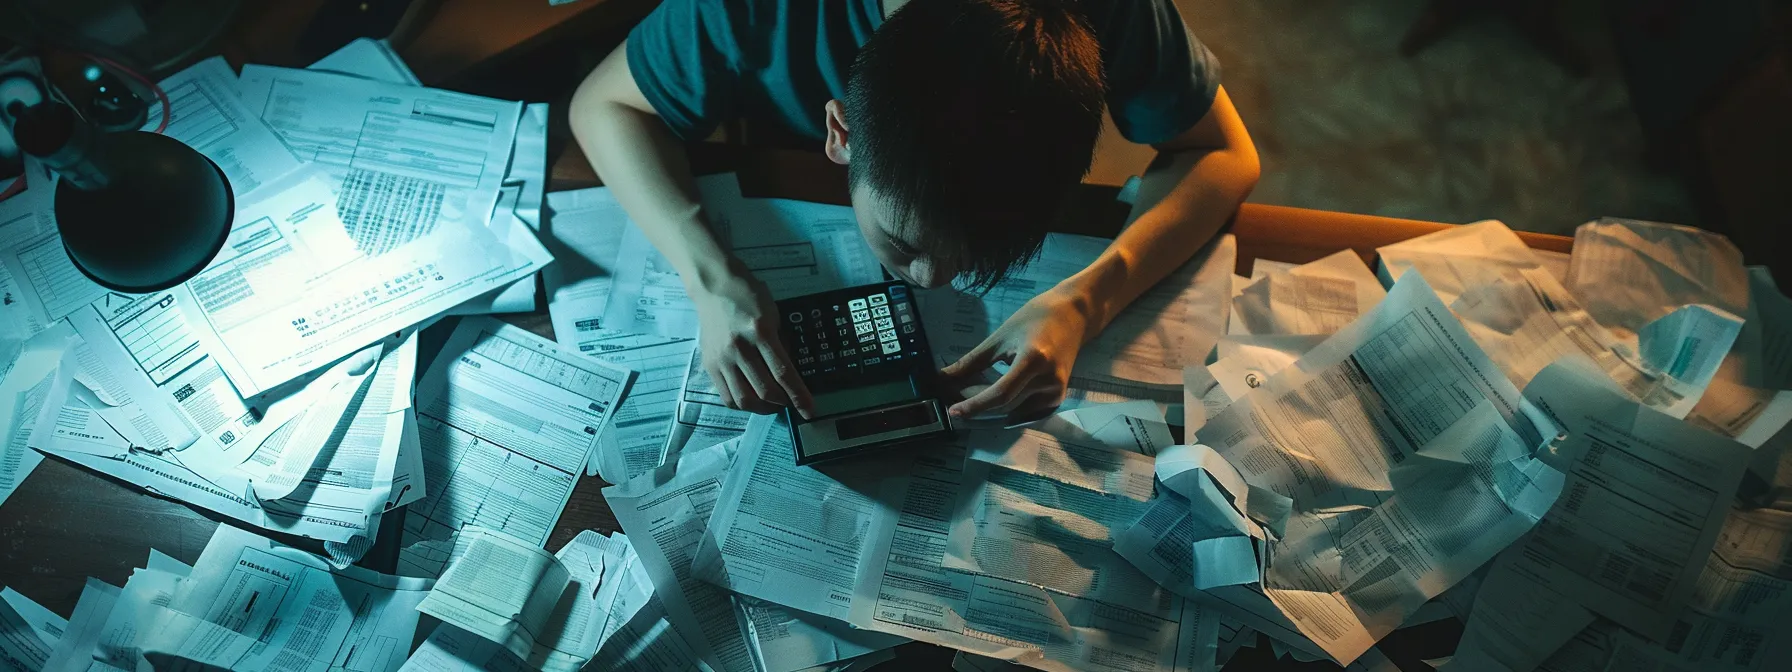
139	212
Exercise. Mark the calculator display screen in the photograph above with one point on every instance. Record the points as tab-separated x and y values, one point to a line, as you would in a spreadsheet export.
901	417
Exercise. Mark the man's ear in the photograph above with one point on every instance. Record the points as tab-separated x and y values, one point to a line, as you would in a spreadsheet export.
835	146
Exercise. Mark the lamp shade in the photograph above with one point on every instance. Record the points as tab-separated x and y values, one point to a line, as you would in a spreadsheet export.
138	212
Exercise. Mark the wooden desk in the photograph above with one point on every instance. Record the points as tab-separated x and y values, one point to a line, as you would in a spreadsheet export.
65	524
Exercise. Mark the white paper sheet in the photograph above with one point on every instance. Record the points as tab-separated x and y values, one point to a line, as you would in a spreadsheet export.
73	651
505	590
905	590
1408	457
584	231
24	388
1630	273
508	421
1643	504
1525	319
295	287
1140	355
1315	298
369	58
635	440
250	603
24	647
352	480
667	512
787	534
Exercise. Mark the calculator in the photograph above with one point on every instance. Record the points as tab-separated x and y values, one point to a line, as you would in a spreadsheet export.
863	355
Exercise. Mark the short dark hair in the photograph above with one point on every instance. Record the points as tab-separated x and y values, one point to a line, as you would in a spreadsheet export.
976	118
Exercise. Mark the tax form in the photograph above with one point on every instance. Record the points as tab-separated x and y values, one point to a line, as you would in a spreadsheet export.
44	623
635	441
1142	351
250	603
24	387
1525	319
1643	506
505	591
584	231
666	511
1315	298
518	210
508	422
47	285
296	286
904	589
406	160
702	418
1408	457
1631	273
23	647
1735	620
788	534
352	477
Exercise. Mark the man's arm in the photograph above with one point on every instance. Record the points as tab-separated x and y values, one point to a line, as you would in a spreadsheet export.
641	162
1211	168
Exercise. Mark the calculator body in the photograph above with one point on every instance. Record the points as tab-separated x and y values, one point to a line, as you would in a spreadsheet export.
864	357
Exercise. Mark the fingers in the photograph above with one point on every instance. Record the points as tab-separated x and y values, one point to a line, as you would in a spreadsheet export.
759	377
784	375
746	398
975	361
1022	381
720	383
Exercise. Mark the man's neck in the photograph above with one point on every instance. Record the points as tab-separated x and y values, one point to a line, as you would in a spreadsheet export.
890	6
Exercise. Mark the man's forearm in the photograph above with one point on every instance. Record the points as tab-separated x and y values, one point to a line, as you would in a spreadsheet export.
1194	196
646	169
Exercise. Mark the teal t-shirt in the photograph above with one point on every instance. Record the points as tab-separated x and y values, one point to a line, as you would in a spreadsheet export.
704	62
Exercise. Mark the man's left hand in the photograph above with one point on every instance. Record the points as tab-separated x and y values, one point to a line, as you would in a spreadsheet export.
1039	343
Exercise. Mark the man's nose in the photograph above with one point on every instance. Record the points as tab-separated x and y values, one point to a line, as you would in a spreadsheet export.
926	274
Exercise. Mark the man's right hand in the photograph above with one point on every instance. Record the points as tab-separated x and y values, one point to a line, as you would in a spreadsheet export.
738	332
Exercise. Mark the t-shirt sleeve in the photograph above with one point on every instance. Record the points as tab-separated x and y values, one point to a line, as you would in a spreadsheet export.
683	58
1161	80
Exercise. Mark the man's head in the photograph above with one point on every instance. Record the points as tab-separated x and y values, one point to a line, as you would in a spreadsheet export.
965	124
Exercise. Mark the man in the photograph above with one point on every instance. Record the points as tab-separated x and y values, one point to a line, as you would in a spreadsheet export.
962	124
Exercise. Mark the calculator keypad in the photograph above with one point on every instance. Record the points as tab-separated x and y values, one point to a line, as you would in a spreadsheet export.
871	330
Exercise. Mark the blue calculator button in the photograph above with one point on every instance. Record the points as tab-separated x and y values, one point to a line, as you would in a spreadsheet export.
898	290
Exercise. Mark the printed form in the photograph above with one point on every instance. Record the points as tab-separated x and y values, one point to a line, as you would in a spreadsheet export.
250	603
364	475
635	442
905	589
508	423
1643	506
666	511
295	287
1408	459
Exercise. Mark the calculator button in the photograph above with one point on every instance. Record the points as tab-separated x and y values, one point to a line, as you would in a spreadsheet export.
880	311
840	321
827	356
905	319
824	345
868	336
796	316
878	299
802	351
902	307
860	316
855	304
884	323
863	327
887	335
898	290
872	360
891	346
908	328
